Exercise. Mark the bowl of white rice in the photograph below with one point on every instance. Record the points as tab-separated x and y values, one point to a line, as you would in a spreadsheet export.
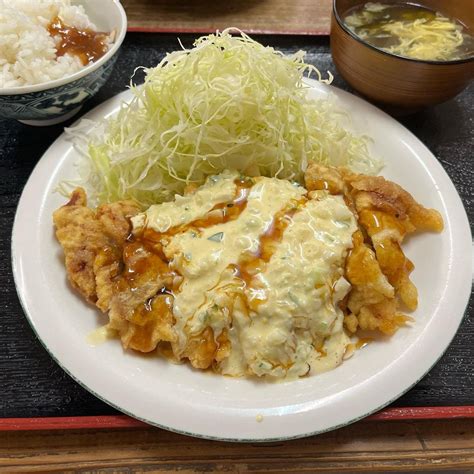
55	54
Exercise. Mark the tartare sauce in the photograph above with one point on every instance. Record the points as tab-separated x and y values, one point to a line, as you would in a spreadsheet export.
262	263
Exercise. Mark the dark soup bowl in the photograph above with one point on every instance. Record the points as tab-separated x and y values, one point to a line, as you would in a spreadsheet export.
400	85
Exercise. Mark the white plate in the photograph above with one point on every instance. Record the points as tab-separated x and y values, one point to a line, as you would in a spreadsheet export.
181	399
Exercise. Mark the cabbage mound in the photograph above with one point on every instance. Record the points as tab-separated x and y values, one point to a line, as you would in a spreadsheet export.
227	103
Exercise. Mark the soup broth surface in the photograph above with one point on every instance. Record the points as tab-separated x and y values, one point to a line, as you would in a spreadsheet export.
411	31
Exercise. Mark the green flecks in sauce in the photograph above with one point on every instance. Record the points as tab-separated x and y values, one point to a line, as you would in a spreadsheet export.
257	261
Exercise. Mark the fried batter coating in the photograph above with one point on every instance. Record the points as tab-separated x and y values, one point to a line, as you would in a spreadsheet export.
201	349
120	277
388	213
137	310
387	233
81	236
107	268
114	218
364	270
372	297
318	177
375	192
376	267
382	316
151	324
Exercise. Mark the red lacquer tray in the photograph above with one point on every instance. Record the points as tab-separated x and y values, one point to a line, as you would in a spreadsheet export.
123	421
152	25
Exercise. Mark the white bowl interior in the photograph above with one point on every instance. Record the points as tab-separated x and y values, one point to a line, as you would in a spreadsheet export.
104	14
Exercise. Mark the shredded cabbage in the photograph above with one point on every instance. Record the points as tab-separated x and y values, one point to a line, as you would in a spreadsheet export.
227	103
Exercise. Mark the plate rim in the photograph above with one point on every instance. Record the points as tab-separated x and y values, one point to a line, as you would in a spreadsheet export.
17	276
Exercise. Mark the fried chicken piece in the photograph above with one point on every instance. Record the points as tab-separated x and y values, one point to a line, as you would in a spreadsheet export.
382	316
371	302
151	324
371	291
363	269
92	243
136	309
81	236
387	233
223	346
107	269
318	177
201	349
376	267
120	277
375	192
115	218
204	349
351	323
388	213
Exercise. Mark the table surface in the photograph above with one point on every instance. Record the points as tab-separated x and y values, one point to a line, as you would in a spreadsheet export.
365	446
268	16
33	385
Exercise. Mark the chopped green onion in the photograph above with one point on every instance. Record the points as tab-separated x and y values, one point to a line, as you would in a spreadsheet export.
216	237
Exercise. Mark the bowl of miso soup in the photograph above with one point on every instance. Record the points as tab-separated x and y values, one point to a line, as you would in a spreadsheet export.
404	56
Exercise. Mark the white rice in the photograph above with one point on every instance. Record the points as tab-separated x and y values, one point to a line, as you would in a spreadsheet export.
27	51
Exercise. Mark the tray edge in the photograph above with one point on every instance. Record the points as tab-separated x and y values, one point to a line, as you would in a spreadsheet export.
126	422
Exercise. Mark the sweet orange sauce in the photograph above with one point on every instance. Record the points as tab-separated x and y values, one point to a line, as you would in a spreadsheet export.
219	214
390	256
359	268
145	318
86	44
144	259
362	342
228	211
274	234
252	264
326	185
321	350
